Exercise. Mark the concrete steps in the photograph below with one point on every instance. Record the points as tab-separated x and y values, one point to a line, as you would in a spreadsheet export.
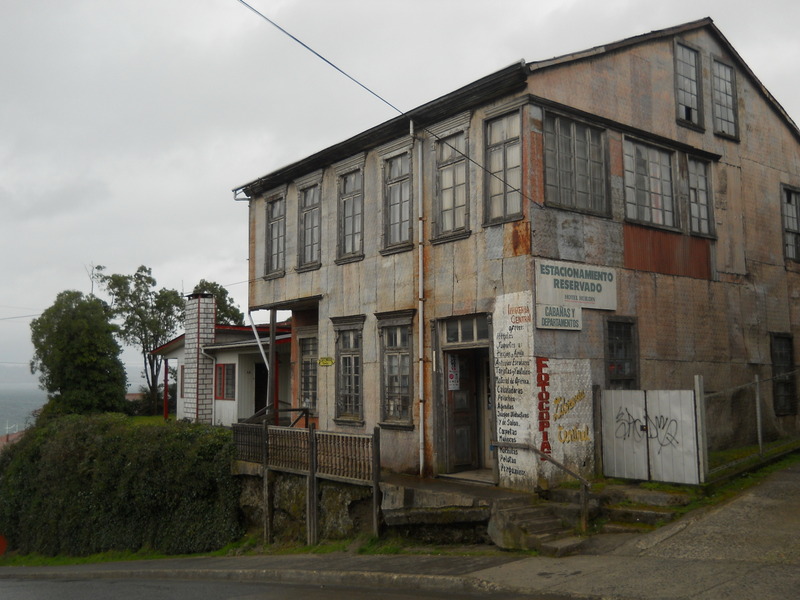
530	527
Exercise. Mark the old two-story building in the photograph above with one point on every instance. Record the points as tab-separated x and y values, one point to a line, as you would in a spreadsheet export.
467	275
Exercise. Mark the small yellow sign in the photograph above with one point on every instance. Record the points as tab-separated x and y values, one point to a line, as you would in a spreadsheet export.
325	361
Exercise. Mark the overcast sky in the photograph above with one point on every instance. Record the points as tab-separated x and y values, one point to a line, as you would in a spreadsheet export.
124	124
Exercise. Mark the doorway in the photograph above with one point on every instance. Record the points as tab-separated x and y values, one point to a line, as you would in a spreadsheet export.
470	412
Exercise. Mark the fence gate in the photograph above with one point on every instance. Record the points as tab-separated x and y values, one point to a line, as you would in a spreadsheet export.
650	435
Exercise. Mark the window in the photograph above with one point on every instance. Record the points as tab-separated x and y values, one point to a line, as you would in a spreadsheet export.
397	194
621	371
462	330
225	387
687	85
784	387
310	226
791	223
351	216
308	372
349	405
183	382
276	235
504	160
451	181
699	206
648	184
397	373
724	100
574	165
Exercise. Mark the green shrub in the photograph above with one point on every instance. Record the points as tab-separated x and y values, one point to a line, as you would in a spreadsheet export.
79	485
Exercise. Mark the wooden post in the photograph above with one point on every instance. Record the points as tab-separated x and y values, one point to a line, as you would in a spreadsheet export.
376	481
268	487
702	434
758	418
312	534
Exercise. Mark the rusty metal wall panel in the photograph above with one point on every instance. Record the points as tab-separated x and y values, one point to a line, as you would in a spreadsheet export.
666	252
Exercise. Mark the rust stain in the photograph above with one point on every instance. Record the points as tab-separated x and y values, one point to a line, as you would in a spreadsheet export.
518	238
667	252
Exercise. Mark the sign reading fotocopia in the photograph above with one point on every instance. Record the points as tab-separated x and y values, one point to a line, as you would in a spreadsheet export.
563	284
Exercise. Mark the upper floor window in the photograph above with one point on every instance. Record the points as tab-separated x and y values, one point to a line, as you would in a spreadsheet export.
349	391
225	385
648	184
276	235
574	165
687	85
351	215
504	162
451	182
724	99
310	226
699	205
397	194
791	223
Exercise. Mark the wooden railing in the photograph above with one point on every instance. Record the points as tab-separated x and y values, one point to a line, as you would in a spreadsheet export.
344	457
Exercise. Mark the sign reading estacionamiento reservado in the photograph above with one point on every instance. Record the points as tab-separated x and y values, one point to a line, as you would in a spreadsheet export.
563	289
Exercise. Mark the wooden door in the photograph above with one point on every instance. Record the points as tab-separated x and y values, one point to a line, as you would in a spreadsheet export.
462	401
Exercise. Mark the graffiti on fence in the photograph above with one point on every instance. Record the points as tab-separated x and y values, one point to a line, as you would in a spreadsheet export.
662	429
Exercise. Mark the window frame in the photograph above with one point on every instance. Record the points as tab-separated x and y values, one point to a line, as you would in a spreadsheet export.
718	106
398	321
349	405
634	177
782	385
492	177
790	223
680	106
404	183
458	162
343	197
308	362
553	155
633	357
275	258
225	381
307	211
693	201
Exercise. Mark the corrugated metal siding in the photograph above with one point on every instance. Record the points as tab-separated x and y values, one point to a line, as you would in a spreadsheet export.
666	252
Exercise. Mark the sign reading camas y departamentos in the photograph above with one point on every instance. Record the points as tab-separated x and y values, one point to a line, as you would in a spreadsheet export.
563	289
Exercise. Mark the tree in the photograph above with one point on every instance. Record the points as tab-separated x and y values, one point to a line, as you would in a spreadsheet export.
77	355
228	313
149	317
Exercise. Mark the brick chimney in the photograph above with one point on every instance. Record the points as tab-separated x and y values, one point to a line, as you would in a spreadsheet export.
201	316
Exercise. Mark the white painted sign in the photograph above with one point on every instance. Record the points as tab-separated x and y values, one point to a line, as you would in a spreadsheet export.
549	316
575	285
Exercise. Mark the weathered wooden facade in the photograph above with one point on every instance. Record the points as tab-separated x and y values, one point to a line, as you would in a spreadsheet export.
469	274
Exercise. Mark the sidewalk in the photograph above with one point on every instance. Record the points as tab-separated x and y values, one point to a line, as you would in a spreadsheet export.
747	548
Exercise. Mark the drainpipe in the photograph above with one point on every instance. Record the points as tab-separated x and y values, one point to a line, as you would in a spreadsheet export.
420	303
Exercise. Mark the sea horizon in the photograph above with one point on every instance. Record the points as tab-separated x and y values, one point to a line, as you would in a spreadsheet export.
17	403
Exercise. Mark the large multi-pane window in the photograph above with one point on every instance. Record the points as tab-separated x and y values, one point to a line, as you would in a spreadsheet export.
397	190
308	372
699	205
574	165
648	184
451	173
791	223
225	382
687	84
784	385
276	235
724	99
349	399
504	166
351	214
621	369
397	371
310	226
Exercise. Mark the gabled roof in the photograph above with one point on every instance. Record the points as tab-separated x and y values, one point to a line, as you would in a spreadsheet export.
706	23
282	331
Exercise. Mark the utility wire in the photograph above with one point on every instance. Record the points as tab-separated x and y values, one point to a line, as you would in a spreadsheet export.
385	101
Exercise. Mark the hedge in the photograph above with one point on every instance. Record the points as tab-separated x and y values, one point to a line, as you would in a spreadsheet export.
79	485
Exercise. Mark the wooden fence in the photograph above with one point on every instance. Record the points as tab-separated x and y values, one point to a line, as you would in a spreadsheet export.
344	457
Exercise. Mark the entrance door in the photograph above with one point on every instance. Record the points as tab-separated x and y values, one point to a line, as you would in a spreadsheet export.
468	397
261	387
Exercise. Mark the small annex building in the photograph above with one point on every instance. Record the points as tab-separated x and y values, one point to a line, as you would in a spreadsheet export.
476	271
221	372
